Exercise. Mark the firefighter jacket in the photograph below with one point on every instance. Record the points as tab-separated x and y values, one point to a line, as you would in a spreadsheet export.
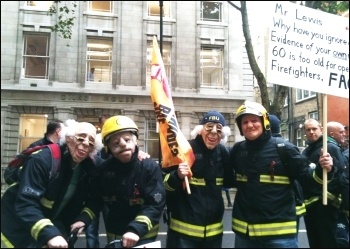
334	187
134	194
264	205
29	209
199	215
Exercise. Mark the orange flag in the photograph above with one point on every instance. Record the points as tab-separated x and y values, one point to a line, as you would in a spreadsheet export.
174	146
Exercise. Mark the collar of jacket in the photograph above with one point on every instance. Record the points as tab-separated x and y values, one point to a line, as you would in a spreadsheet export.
333	141
309	143
259	142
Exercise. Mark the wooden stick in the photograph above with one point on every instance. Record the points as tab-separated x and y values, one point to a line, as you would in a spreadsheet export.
324	183
187	185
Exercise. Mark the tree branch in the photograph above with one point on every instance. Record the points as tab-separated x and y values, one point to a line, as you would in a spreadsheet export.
234	6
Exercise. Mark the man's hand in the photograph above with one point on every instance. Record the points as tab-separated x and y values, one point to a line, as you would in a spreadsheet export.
57	242
130	239
142	155
183	170
326	161
78	225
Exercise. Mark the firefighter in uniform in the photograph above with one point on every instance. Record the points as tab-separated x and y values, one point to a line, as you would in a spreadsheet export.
196	219
38	211
132	189
264	211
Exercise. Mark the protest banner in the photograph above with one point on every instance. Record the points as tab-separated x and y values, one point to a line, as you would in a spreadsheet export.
308	49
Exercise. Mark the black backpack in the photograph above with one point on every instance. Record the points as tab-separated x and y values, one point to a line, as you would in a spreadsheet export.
11	173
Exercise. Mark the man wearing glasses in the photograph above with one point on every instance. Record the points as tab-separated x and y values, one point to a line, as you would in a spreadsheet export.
39	210
196	220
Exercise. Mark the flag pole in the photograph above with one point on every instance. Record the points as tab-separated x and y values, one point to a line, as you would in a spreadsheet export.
161	27
324	171
161	53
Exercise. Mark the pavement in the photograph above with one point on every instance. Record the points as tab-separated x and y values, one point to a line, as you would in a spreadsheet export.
232	195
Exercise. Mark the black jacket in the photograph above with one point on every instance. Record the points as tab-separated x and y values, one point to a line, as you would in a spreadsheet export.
264	205
44	140
28	207
199	215
312	152
134	194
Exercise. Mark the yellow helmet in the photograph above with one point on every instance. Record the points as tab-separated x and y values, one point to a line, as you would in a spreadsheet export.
252	108
117	124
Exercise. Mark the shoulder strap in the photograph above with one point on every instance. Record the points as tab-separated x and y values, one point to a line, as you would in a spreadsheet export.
56	159
281	148
297	190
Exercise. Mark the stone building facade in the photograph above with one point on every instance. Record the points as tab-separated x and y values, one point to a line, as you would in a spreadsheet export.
44	76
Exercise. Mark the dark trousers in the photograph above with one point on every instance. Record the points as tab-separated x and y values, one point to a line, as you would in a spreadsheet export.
228	197
321	225
92	233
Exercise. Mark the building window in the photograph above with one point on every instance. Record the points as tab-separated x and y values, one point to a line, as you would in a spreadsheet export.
152	138
32	127
313	115
166	60
300	140
211	67
211	11
41	5
101	6
36	56
305	94
154	9
99	60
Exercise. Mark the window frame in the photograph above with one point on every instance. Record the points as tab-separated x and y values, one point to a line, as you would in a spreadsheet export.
95	10
28	59
151	126
93	51
44	5
204	56
313	115
153	9
202	12
299	137
30	124
302	94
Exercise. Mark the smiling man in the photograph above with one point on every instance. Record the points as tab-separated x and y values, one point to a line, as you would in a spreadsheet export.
39	210
195	220
263	214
